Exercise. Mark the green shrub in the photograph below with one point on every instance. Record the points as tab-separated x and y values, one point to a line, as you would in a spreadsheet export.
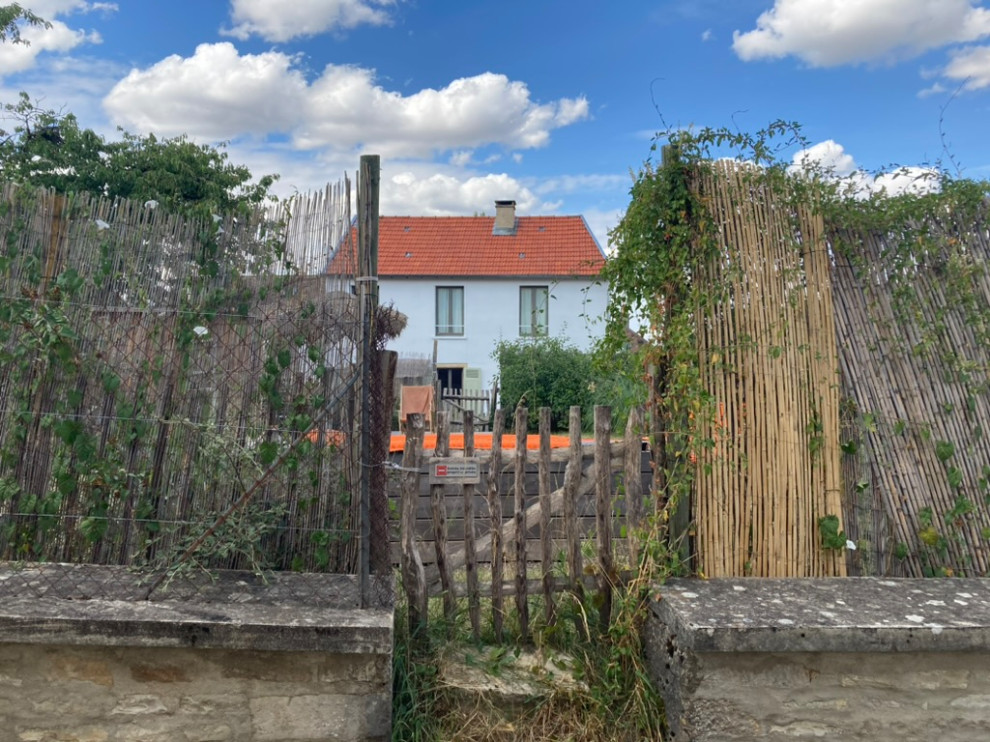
544	372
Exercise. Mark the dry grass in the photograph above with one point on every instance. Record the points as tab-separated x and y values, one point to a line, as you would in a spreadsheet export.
564	715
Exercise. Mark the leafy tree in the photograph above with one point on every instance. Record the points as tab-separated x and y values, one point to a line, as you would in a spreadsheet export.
10	15
48	149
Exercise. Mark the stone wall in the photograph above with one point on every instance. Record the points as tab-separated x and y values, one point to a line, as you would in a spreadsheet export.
161	671
98	694
846	659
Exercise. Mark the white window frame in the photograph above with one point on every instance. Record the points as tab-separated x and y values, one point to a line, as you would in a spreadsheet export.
449	311
534	311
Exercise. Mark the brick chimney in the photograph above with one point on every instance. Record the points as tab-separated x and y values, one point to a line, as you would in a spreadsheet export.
505	218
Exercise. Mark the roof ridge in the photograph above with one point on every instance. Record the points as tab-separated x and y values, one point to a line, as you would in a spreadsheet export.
546	247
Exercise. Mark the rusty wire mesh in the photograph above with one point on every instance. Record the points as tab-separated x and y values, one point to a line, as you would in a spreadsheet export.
177	397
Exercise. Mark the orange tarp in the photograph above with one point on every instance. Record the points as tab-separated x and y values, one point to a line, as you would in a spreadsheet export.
482	442
330	437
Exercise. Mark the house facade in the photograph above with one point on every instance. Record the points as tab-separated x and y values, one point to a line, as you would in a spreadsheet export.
465	283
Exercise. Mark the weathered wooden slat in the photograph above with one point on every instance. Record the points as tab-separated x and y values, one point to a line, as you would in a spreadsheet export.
519	510
439	511
546	550
569	494
470	556
413	576
495	510
603	500
632	482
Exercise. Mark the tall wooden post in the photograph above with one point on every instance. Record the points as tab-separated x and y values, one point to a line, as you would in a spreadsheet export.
367	287
680	517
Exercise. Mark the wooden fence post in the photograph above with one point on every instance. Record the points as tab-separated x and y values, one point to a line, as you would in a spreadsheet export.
366	281
470	557
572	480
519	502
549	611
633	482
413	574
603	512
439	507
495	509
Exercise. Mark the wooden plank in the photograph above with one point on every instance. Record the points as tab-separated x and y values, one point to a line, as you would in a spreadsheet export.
440	522
572	479
413	576
603	500
470	558
633	484
495	511
507	531
519	489
546	548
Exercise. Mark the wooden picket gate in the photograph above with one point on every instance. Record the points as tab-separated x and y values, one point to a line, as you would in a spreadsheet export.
465	545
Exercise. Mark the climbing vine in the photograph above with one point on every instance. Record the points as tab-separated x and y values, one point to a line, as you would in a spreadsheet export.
921	261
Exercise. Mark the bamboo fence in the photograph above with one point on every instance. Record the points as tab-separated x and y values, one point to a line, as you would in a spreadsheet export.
152	376
768	359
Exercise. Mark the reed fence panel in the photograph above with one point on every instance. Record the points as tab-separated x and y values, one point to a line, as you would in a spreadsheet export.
914	371
154	369
768	357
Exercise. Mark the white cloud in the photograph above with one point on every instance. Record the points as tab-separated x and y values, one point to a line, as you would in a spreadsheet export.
830	159
968	67
581	183
706	35
277	20
936	89
916	180
347	108
298	172
414	188
829	156
413	191
220	94
50	8
59	38
215	94
68	84
826	33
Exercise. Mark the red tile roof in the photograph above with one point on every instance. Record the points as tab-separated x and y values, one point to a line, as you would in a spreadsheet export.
465	246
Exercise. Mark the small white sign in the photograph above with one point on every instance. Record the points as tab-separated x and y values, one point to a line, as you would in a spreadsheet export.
454	471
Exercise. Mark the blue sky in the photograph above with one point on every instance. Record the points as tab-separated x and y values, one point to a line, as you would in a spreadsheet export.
550	103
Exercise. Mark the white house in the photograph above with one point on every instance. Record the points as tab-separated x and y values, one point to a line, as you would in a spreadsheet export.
467	282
